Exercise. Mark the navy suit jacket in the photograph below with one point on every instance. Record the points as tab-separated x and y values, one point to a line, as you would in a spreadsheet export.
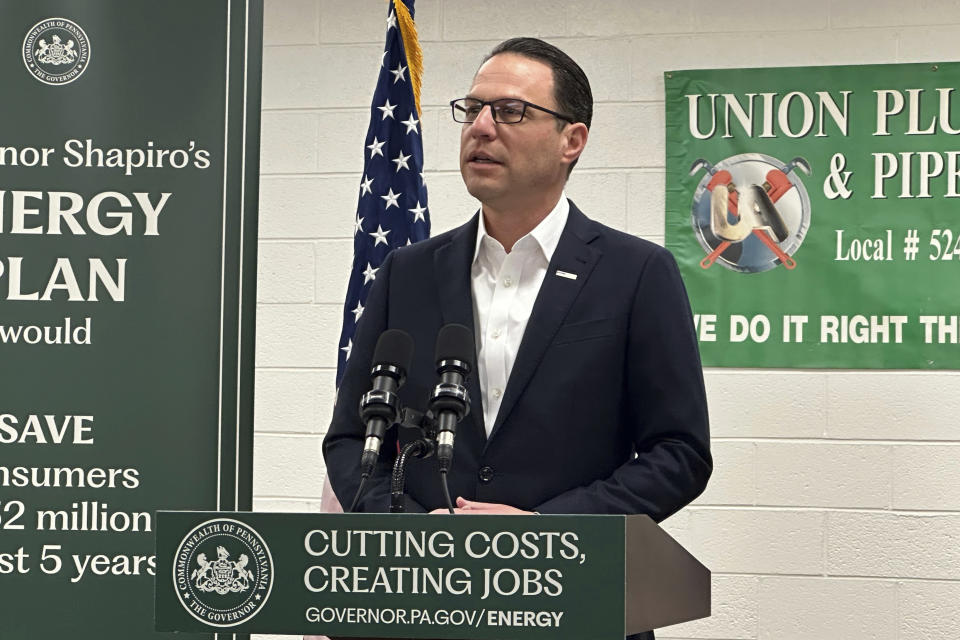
604	411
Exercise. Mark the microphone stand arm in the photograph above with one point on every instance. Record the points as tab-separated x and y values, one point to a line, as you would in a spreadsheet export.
421	448
426	425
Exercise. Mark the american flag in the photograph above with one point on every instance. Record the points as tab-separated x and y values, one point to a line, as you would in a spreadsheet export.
392	205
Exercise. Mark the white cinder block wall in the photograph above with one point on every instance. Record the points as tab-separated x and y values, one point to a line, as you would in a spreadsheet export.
834	511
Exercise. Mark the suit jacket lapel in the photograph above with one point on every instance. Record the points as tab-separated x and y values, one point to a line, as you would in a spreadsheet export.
452	263
574	256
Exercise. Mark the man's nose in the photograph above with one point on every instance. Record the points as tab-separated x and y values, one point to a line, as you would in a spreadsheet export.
484	125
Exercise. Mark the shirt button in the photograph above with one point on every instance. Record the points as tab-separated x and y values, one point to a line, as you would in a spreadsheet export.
485	474
508	281
497	393
496	334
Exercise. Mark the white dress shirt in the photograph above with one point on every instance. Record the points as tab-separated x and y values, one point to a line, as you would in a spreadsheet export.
505	286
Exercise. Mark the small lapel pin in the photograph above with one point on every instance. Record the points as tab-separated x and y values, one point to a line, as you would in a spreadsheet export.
566	274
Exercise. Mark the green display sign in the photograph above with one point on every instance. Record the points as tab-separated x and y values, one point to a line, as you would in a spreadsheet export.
423	576
813	213
128	187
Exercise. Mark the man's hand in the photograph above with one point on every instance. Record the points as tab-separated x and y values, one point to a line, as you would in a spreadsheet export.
485	508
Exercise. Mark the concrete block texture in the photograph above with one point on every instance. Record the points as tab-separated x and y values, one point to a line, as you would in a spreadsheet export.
308	207
928	610
734	480
593	17
601	195
804	608
893	545
893	406
747	403
450	204
757	15
293	401
834	509
340	140
290	22
298	335
749	540
287	466
928	43
289	142
607	64
366	20
652	56
451	65
331	255
542	18
848	15
303	77
824	474
285	272
927	476
447	137
286	505
645	202
734	612
625	135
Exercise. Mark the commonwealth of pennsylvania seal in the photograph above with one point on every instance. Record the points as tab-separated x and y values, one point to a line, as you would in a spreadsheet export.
56	51
223	572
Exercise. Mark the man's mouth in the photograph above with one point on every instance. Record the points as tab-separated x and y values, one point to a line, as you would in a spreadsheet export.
482	158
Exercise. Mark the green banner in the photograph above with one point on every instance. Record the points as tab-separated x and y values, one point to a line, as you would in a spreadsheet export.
394	575
129	152
813	213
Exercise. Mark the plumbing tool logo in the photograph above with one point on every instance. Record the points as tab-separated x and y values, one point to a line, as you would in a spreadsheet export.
750	211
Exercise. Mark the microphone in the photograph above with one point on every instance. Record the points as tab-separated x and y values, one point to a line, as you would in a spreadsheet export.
380	406
450	402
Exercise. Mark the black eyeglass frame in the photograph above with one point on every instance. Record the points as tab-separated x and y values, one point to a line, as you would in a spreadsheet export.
493	111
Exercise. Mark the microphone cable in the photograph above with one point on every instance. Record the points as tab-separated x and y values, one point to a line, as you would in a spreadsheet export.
446	490
356	496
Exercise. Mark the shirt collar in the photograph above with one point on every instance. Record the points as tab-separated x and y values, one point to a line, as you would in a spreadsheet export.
546	234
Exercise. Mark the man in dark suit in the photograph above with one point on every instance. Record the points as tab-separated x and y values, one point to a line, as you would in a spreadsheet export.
588	395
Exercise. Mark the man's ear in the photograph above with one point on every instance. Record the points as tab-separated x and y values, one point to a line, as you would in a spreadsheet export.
575	139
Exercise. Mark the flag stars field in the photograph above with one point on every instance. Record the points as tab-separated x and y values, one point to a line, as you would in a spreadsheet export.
365	185
418	212
369	274
387	110
393	158
391	199
411	124
380	235
401	161
376	147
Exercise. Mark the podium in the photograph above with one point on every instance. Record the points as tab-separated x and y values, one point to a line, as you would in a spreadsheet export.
423	576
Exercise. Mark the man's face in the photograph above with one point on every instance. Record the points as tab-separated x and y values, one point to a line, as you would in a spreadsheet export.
505	165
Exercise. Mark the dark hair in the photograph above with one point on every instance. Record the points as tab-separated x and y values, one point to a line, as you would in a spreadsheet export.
571	89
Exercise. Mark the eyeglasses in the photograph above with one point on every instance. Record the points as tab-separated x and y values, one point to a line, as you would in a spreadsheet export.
505	110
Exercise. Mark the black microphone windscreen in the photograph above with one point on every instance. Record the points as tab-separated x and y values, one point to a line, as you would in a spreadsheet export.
455	342
394	347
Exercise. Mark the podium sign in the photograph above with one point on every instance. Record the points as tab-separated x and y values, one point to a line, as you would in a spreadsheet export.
423	576
129	146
